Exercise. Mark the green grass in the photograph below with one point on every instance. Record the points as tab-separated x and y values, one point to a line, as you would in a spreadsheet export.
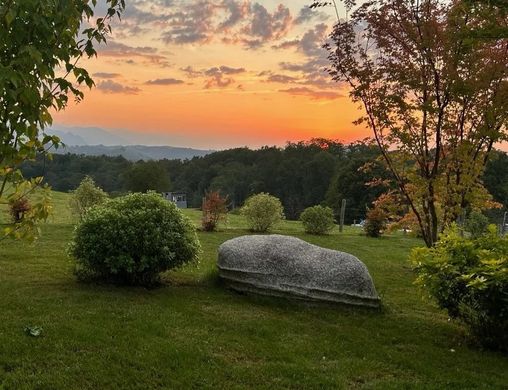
191	333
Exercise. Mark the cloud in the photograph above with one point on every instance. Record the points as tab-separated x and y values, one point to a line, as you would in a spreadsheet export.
281	79
287	44
314	95
191	23
308	14
312	71
225	70
238	10
229	21
219	76
312	41
191	72
266	26
168	81
110	86
105	75
147	53
219	81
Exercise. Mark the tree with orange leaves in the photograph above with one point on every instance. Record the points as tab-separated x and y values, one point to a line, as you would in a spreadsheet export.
434	93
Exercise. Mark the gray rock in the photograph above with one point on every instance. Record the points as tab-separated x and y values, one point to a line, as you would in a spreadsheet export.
286	266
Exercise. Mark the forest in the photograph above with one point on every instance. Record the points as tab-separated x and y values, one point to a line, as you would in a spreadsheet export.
301	174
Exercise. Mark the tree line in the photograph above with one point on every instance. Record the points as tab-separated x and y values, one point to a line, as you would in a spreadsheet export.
301	174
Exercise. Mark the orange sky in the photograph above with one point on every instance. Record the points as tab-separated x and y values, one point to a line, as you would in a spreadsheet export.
216	74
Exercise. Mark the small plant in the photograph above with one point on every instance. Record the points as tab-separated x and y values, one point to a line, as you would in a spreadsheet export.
86	196
18	208
469	279
263	212
476	224
132	239
214	210
317	220
375	222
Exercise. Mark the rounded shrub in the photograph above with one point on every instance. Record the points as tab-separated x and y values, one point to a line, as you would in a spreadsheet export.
132	239
262	211
317	220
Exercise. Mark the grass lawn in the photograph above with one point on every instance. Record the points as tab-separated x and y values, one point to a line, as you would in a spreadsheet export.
191	333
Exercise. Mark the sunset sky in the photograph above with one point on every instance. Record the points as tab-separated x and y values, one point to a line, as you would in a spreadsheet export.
216	74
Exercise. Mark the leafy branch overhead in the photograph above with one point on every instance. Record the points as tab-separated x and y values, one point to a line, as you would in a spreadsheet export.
42	43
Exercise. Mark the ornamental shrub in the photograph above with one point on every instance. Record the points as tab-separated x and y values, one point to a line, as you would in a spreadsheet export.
214	210
476	224
375	222
132	239
263	212
469	278
317	220
86	196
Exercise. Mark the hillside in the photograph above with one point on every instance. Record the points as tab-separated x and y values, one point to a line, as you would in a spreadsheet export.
190	332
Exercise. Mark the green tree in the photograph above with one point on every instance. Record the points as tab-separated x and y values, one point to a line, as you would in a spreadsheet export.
359	168
41	44
495	177
430	89
147	176
86	196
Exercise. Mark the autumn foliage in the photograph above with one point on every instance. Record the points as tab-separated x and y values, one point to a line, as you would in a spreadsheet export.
214	210
434	95
19	208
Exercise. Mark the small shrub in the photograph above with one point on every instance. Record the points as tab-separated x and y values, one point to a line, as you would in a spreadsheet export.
469	279
263	212
375	222
214	210
86	196
476	224
19	208
133	239
317	220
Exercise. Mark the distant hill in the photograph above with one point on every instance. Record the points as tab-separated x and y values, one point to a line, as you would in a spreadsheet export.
78	136
135	152
95	141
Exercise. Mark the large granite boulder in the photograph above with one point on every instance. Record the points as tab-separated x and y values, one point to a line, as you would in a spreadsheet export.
289	267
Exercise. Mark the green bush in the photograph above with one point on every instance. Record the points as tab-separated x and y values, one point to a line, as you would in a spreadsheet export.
263	212
469	278
476	224
86	196
375	222
317	220
132	239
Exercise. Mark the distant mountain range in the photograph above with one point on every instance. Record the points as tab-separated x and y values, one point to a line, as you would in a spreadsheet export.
93	141
135	152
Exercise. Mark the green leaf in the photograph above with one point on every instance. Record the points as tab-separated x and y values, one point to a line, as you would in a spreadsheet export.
33	331
10	16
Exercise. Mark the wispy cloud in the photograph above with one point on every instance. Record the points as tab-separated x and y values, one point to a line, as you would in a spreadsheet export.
168	81
315	95
148	54
105	75
110	86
